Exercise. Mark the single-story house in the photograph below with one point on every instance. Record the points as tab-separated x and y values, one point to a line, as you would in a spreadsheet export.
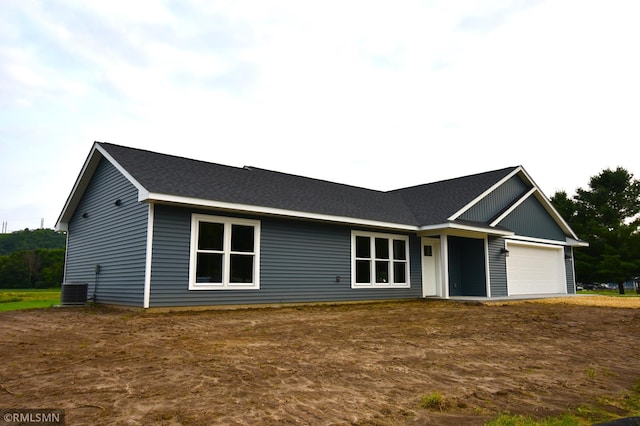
152	230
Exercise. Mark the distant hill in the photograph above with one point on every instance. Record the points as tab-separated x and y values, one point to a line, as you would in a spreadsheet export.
31	240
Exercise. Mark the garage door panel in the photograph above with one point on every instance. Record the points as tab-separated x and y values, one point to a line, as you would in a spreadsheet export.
533	269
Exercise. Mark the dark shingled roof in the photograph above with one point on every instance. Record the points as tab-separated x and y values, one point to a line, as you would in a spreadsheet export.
419	205
433	203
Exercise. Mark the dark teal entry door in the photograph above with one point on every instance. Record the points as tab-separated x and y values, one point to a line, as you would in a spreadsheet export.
467	267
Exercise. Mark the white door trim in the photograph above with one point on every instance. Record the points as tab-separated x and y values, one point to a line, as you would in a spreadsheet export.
431	267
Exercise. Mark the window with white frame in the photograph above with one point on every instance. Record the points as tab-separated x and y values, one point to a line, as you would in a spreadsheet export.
379	260
225	253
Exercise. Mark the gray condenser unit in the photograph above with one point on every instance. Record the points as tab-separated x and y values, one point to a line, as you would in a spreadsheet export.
73	294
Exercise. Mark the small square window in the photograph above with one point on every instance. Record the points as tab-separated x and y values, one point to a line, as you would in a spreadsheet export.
428	251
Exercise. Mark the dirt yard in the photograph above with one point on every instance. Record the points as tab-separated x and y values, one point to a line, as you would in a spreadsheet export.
325	364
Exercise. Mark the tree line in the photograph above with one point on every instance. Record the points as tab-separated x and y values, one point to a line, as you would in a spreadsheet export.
32	259
607	216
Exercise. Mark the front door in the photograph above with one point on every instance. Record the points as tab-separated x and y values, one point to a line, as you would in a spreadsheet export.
431	281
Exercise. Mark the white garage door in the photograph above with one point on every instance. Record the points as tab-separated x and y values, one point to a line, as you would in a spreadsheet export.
534	269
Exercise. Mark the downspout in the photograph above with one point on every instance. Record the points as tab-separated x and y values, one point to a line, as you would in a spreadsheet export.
95	283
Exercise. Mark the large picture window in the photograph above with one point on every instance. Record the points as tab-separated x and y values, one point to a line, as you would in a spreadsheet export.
379	260
224	253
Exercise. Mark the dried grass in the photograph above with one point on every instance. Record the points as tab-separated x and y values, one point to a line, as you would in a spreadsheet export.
589	300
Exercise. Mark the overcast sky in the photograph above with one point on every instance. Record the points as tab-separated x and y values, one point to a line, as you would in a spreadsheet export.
380	94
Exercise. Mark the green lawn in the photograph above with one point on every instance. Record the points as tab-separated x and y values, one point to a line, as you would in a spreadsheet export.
614	293
14	299
21	298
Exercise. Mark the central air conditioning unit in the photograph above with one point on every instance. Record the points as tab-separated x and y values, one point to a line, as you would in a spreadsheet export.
73	294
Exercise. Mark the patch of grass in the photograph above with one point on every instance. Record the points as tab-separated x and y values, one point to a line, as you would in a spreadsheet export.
433	401
508	419
612	293
631	400
15	299
585	414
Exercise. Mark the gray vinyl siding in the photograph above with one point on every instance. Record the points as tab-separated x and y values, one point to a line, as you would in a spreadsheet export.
568	266
532	220
497	267
496	201
111	236
299	262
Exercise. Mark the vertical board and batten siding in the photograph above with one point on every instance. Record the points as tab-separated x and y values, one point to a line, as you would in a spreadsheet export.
532	220
467	267
568	267
496	201
111	236
497	267
299	262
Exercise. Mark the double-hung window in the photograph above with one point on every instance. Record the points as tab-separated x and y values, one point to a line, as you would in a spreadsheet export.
225	253
379	260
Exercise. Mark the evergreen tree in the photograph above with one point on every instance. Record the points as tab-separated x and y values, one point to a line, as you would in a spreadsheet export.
607	216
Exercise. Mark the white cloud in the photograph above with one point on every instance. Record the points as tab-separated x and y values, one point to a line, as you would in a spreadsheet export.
420	90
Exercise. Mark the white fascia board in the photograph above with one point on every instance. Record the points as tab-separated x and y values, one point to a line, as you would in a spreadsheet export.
80	185
121	169
536	241
248	208
465	227
484	194
576	243
84	178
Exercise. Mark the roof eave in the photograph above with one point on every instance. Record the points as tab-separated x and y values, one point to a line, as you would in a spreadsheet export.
272	211
576	243
455	226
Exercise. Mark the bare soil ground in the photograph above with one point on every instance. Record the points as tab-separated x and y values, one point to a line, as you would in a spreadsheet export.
323	364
